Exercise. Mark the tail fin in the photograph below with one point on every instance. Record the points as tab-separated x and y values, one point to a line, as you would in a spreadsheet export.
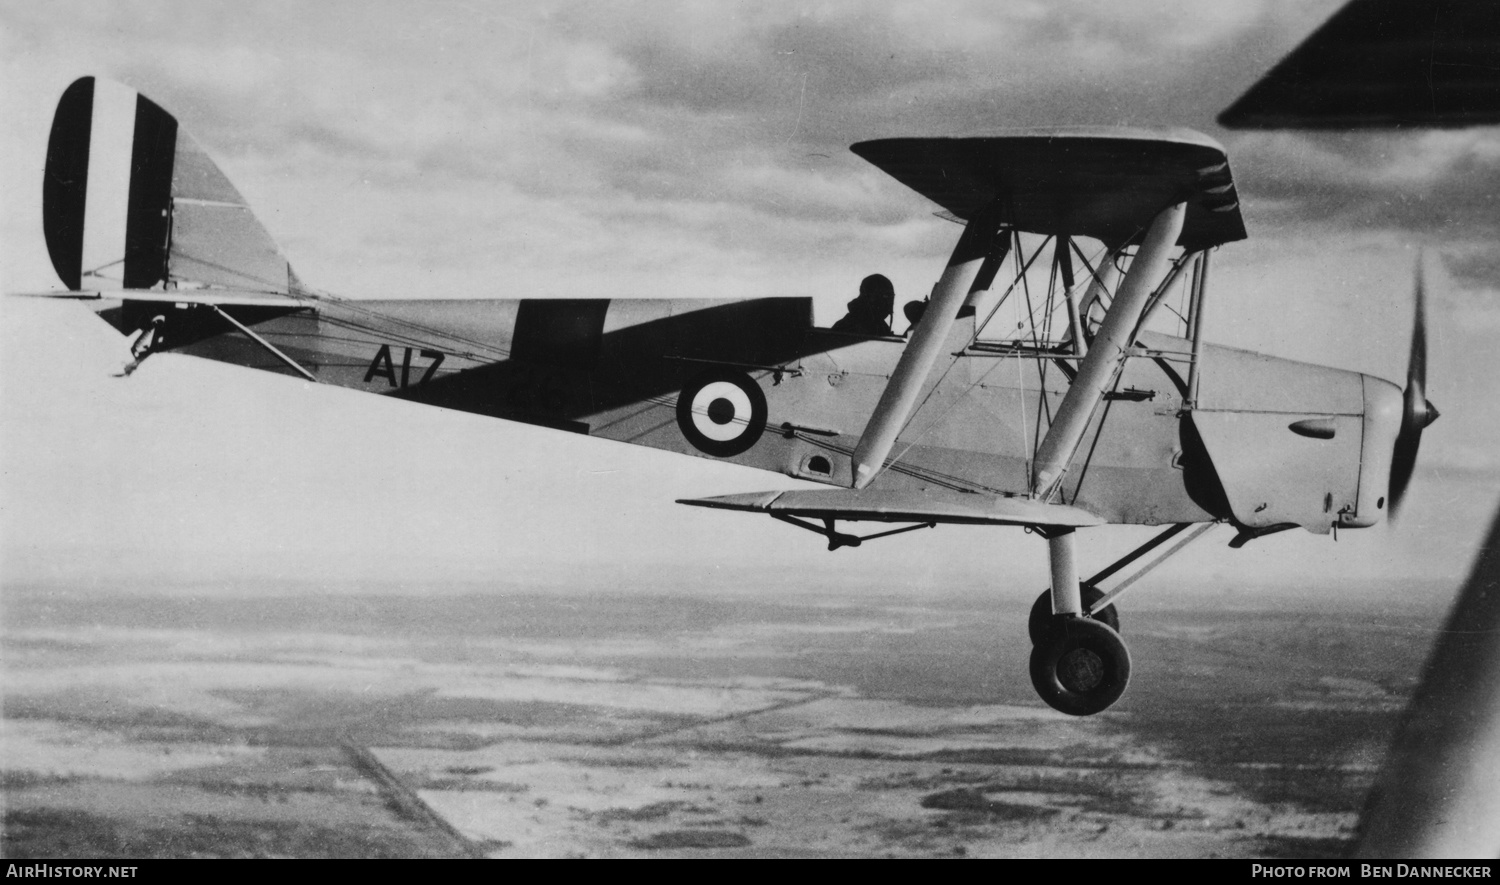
130	201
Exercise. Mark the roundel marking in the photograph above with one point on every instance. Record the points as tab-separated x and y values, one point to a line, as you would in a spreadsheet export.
722	412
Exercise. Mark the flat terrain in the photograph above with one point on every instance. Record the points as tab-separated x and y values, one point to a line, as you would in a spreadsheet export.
511	724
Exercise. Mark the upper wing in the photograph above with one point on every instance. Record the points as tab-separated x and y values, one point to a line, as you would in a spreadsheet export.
1103	183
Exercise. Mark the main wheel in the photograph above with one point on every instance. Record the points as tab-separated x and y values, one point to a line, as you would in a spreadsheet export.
1083	669
1043	623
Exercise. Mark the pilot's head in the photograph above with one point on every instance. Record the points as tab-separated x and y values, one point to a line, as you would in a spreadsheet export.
877	292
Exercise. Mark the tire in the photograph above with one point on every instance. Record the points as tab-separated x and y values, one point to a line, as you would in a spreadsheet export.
1083	670
1042	623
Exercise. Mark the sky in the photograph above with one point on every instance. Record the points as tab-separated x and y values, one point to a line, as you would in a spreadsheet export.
670	149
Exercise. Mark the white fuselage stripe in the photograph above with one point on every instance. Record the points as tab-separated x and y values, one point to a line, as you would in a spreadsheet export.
106	201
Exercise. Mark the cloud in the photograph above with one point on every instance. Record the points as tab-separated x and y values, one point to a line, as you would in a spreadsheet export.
686	118
701	149
1436	189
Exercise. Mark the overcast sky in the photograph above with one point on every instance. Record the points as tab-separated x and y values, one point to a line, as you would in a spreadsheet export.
668	149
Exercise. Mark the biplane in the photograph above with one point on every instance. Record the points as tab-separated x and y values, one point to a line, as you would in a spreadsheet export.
1098	402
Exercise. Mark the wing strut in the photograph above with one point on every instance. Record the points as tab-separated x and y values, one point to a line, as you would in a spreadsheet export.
900	394
1096	373
264	343
1064	259
837	539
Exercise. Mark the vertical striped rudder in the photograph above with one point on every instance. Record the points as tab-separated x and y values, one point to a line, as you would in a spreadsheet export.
131	202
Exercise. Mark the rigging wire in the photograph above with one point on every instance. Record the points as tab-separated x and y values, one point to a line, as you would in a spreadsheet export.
1049	310
1029	453
1043	405
942	416
271	287
414	330
1020	276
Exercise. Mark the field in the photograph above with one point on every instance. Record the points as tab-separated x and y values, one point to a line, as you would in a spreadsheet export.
508	723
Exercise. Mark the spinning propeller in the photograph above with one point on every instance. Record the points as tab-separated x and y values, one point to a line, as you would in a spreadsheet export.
1416	412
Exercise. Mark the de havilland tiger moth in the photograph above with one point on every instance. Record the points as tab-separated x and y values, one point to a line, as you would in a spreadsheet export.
1081	417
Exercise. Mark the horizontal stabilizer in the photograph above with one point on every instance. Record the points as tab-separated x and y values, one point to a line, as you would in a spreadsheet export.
904	506
219	297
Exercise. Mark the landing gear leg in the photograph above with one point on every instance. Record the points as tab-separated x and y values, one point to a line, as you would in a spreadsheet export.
1046	617
1042	623
1096	603
1066	599
1079	665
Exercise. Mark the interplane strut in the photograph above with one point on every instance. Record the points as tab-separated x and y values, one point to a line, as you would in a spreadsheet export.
1096	372
900	394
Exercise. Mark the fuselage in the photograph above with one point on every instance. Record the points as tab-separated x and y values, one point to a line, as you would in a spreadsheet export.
1270	441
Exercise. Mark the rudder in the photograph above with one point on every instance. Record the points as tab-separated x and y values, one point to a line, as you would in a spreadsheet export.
130	201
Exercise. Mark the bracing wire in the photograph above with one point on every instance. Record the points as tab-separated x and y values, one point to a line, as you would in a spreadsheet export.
1019	278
